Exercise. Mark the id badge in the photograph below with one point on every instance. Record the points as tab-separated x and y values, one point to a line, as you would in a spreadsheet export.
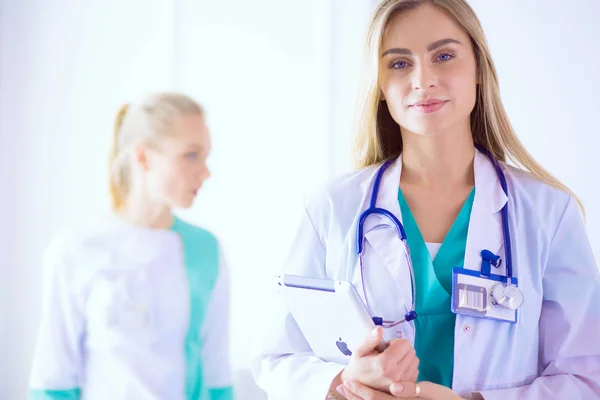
472	295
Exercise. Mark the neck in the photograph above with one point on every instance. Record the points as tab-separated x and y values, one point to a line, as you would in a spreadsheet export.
145	214
440	161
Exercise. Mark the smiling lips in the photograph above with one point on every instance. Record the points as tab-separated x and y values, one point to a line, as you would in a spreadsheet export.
428	106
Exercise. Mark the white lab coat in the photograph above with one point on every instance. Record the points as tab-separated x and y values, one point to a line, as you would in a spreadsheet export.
116	315
553	352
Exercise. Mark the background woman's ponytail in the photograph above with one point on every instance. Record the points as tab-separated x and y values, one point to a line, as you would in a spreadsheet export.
117	184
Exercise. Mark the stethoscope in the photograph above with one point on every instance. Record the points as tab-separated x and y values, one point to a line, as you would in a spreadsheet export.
506	295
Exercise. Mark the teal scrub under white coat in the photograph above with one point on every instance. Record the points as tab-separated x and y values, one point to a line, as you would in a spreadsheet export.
434	337
136	313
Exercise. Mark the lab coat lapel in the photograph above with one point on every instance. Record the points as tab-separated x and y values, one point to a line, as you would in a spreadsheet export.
381	234
485	225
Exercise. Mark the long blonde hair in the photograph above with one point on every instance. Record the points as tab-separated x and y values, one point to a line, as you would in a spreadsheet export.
378	136
138	122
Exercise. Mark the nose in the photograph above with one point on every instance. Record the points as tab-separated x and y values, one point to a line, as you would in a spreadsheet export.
424	76
201	173
206	174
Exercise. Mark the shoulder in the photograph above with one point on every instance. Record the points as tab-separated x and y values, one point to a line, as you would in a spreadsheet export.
538	202
333	206
200	235
201	247
525	184
72	240
74	247
342	193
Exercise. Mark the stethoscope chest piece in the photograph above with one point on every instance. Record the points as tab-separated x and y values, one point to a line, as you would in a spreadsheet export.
507	296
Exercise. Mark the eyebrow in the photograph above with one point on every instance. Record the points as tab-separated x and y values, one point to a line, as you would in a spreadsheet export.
431	47
197	147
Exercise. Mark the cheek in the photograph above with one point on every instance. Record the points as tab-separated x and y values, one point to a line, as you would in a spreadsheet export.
461	83
464	93
396	92
169	180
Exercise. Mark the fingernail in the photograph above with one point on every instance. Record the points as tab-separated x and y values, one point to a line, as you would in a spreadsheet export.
340	390
397	388
375	332
347	384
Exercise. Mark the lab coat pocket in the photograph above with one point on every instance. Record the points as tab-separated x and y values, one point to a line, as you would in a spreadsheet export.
121	309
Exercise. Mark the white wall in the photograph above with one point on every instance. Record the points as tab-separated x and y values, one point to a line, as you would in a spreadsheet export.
65	67
7	144
278	80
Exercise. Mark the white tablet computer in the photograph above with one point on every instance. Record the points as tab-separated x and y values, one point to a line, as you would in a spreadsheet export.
330	314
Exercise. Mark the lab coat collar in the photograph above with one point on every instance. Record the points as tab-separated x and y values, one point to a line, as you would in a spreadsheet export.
488	190
485	225
388	194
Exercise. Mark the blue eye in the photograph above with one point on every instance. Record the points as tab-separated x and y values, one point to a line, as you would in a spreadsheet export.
445	57
192	155
399	65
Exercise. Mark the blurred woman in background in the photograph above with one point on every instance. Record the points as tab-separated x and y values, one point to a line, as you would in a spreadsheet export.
137	306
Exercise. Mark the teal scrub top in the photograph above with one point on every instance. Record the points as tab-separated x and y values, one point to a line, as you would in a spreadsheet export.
201	254
434	338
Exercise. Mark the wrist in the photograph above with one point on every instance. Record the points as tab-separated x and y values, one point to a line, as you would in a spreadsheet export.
332	394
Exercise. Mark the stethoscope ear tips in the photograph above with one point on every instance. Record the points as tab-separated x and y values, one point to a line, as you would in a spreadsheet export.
411	315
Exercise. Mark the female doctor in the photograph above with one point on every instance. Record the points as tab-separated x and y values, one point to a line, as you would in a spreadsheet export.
136	306
433	140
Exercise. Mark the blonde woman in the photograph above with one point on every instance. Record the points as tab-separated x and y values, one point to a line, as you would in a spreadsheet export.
136	307
433	145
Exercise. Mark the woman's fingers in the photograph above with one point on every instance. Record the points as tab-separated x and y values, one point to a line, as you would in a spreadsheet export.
348	395
358	391
422	390
413	371
405	390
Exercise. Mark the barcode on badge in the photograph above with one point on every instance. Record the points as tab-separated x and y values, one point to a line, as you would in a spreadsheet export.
473	299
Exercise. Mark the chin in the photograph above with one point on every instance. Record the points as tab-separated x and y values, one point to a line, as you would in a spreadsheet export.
188	204
183	203
427	131
432	128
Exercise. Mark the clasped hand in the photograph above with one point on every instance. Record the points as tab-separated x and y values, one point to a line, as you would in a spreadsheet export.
391	374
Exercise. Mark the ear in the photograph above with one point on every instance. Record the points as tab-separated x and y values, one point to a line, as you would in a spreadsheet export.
142	156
